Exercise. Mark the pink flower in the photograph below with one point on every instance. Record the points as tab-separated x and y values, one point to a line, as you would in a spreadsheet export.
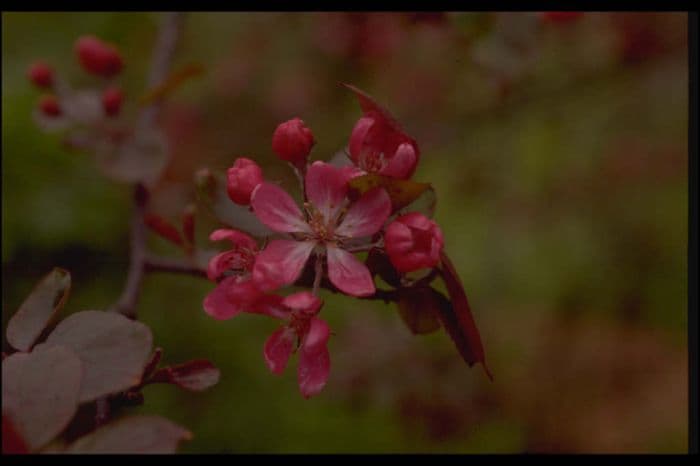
378	144
243	177
98	57
413	242
292	141
237	292
326	228
307	333
41	74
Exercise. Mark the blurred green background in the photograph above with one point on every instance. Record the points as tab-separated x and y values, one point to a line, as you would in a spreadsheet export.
559	155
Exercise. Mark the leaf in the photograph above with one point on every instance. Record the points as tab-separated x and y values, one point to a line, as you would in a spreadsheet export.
171	83
401	192
135	434
419	308
163	228
456	317
40	392
196	376
35	313
113	349
12	442
140	157
378	263
425	204
369	105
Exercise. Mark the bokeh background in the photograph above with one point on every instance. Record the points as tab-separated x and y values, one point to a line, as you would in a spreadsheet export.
558	151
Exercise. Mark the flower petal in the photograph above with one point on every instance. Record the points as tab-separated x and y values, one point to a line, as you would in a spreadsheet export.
403	163
348	274
367	215
278	348
277	210
314	359
326	187
217	304
304	301
281	263
358	136
237	238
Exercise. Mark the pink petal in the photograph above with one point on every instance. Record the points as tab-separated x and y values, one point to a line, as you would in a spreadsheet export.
367	215
281	263
237	238
358	137
403	163
304	301
271	306
326	187
217	304
348	274
278	348
314	360
276	209
221	263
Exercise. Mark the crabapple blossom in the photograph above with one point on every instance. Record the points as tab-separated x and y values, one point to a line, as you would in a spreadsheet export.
41	74
378	145
292	141
309	335
112	99
327	227
413	242
236	292
98	57
242	178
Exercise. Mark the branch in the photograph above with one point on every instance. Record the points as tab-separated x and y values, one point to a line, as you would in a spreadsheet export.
165	264
162	57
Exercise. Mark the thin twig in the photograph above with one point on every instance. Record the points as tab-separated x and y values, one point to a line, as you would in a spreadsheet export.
162	57
166	264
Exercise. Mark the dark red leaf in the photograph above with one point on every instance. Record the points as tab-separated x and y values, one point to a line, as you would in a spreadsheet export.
12	442
40	392
36	312
419	308
188	223
458	320
369	105
163	228
135	434
196	376
378	263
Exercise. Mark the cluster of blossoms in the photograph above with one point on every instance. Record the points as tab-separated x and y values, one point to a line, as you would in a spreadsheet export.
96	58
315	244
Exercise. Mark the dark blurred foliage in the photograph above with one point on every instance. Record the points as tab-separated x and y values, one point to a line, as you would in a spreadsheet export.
558	152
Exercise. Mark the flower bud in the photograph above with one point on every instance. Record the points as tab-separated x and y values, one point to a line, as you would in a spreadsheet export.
243	177
292	141
41	74
49	106
413	242
98	57
112	101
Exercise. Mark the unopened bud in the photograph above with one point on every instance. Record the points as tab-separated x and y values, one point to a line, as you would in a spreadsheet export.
292	141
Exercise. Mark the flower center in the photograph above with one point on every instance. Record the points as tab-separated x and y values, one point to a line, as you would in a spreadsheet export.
372	161
322	231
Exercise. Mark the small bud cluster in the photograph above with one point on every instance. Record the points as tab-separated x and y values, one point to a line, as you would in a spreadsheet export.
72	110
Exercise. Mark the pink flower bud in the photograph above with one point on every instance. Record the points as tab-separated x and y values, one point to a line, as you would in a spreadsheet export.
112	100
292	141
413	242
41	74
49	106
243	177
98	57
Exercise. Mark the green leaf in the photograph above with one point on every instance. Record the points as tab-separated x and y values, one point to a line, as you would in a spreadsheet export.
136	434
113	349
401	192
35	313
40	392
